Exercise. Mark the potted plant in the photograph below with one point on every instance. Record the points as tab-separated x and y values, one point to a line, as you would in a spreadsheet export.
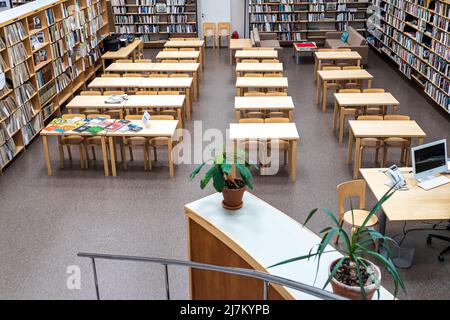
353	276
221	172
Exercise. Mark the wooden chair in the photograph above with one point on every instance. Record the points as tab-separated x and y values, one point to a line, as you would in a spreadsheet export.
327	63
224	30
170	49
251	120
352	84
250	61
333	85
144	61
270	61
168	112
283	145
394	142
110	75
95	141
146	93
72	140
159	142
158	75
209	30
124	61
88	111
377	110
178	75
370	143
187	49
114	113
169	61
276	94
350	190
140	54
132	75
343	49
254	94
253	75
135	142
338	117
188	61
273	75
259	146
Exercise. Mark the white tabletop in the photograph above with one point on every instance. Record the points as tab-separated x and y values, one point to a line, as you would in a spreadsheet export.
105	82
269	54
245	82
246	103
172	101
269	236
261	67
166	83
365	99
178	55
263	131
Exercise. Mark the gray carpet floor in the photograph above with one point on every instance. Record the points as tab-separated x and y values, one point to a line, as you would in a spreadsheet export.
45	221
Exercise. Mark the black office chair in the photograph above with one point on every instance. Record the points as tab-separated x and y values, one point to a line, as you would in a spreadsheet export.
444	238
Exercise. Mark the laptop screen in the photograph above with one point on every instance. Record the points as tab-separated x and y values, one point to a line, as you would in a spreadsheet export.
431	157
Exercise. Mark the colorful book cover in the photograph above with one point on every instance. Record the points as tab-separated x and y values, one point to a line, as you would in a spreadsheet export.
95	129
81	128
51	127
68	127
114	126
58	121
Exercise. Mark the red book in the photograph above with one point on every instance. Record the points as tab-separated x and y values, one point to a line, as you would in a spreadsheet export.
305	45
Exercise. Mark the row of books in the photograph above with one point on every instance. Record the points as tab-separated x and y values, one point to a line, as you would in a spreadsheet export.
440	97
62	82
24	92
7	107
20	74
15	32
47	92
31	129
17	54
48	110
7	152
4	134
44	76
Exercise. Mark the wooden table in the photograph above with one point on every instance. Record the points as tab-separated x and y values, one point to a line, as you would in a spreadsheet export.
326	76
253	237
188	68
238	44
261	83
269	131
155	128
242	104
122	53
255	54
358	100
379	129
241	68
414	204
198	44
180	55
146	83
334	55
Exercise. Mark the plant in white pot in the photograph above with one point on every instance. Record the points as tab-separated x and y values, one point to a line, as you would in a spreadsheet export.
222	173
353	276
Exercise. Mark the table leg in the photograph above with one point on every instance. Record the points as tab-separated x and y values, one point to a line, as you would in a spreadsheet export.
291	116
105	156
112	153
104	65
293	160
230	53
318	67
357	162
187	112
180	118
358	62
369	83
196	88
169	156
319	84
421	140
341	125
324	96
350	146
336	106
238	115
61	153
189	99
238	92
47	155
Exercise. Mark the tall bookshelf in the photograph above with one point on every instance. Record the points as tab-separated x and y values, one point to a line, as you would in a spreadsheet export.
154	21
48	50
415	34
306	20
16	3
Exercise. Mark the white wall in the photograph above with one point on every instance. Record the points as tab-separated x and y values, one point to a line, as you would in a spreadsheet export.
213	11
238	12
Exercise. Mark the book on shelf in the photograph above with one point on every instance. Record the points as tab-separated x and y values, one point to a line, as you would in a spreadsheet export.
7	152
15	32
7	107
20	74
17	54
24	92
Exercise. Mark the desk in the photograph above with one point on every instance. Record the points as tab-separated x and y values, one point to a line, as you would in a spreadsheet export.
256	54
180	55
379	129
254	237
238	44
261	83
358	100
326	76
189	68
269	131
147	83
414	204
334	55
258	67
122	53
198	44
242	104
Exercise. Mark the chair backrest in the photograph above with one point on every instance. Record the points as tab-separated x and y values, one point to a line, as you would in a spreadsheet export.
144	61
177	39
254	94
146	93
169	61
187	49
124	61
168	93
273	75
350	189
325	50
187	61
253	75
276	120
370	117
224	28
396	117
96	115
90	93
251	120
250	61
178	75
170	49
373	90
110	75
276	94
209	29
343	49
265	48
331	68
162	117
133	117
73	115
132	75
250	49
351	68
158	75
113	92
349	91
270	61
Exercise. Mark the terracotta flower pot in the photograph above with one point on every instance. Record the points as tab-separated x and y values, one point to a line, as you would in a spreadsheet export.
232	198
354	292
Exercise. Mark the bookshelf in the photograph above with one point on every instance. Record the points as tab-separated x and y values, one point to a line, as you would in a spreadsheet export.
16	3
154	21
48	50
415	35
306	20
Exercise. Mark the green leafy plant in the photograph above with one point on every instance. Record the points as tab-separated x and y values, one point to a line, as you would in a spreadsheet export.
221	171
355	247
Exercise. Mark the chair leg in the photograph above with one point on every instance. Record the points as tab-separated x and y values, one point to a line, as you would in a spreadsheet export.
131	153
69	152
124	159
145	159
361	153
146	150
93	153
155	154
285	156
377	152
81	157
61	155
383	162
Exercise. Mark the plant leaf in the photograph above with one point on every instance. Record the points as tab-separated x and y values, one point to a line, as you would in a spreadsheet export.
208	175
333	272
196	170
226	168
218	179
245	174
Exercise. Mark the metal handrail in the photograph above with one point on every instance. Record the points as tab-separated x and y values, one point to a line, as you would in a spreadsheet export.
265	277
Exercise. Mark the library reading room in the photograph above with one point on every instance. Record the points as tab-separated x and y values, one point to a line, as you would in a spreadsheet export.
225	150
